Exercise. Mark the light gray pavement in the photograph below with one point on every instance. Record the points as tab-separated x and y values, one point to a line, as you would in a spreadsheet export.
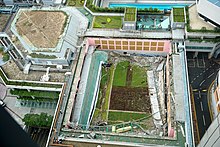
178	88
3	91
18	112
134	34
205	34
196	22
178	34
82	86
154	99
73	91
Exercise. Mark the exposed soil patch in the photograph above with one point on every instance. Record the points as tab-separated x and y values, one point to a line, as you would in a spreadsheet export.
130	99
41	28
3	20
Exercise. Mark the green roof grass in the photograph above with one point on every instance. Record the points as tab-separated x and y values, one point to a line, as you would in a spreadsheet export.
130	14
125	116
107	22
178	15
130	10
139	76
121	74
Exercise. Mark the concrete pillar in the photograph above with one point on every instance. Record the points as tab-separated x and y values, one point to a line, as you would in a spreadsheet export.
216	46
195	54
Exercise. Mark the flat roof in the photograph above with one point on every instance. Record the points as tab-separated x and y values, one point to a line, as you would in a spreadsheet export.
209	9
215	2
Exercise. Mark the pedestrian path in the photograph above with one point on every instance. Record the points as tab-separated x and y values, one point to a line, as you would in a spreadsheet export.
35	104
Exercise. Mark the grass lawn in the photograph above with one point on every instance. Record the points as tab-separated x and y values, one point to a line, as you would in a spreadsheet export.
125	116
130	14
96	114
105	107
35	93
178	14
105	75
130	10
130	17
108	22
139	77
76	3
104	80
121	74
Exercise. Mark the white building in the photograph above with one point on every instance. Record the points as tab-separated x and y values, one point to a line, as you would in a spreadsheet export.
209	10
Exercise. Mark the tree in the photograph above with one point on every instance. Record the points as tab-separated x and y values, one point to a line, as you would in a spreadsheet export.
36	120
1	49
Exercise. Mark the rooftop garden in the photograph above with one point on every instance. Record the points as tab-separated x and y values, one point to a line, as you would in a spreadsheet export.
178	15
109	22
76	3
22	93
38	120
20	83
130	14
39	55
213	40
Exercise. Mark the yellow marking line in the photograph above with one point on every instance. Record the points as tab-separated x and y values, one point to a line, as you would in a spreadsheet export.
193	104
208	98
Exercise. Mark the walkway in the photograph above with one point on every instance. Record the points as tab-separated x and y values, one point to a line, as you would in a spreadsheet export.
73	92
126	34
196	22
178	88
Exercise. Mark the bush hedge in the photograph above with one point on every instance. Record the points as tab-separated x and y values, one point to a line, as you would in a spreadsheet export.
35	93
38	120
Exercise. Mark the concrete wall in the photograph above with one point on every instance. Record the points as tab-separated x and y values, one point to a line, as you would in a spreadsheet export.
132	45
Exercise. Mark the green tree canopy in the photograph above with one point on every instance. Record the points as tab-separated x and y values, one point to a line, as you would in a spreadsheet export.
36	120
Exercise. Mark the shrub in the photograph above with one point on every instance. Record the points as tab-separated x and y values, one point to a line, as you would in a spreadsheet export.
1	49
5	57
36	120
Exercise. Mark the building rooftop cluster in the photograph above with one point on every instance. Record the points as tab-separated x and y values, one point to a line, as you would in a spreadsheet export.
110	75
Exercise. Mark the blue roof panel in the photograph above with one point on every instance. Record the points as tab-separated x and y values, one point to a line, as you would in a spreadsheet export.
218	4
215	2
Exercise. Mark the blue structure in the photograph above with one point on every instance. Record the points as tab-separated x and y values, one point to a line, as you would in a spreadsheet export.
215	2
142	6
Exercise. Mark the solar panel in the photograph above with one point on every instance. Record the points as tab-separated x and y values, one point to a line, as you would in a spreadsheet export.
215	2
218	4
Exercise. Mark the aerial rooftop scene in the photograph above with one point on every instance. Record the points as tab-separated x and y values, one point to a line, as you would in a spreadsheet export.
107	73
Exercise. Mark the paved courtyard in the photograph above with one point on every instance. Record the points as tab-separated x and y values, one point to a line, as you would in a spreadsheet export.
196	22
3	91
18	112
